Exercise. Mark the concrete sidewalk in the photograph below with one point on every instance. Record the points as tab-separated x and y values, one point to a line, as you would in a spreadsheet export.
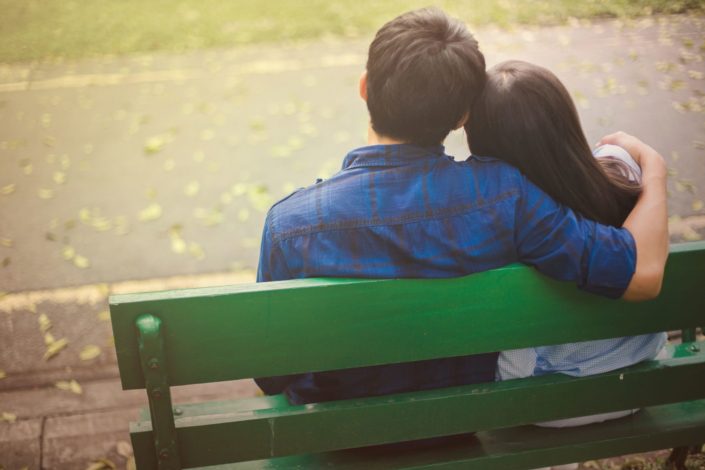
69	411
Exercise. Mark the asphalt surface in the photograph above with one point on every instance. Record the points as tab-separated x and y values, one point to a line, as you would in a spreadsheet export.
152	166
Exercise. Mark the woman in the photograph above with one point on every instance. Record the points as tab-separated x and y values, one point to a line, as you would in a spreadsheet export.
526	117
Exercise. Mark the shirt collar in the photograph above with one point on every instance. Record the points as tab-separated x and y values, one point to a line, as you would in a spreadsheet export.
391	155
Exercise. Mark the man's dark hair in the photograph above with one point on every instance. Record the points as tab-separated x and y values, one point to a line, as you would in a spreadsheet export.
424	71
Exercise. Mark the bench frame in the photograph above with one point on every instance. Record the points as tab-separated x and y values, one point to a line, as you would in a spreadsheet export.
267	427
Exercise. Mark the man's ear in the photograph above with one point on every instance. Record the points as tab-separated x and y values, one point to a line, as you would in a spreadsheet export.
363	85
462	121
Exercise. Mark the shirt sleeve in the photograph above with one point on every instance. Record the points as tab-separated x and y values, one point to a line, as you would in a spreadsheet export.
272	262
564	245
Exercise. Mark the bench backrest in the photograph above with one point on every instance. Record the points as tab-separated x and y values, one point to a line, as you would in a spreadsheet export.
277	328
253	330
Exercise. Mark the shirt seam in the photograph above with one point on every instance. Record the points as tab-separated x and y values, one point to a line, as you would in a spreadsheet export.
419	216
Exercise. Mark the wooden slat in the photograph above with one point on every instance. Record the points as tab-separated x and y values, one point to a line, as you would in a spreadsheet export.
228	435
285	327
522	447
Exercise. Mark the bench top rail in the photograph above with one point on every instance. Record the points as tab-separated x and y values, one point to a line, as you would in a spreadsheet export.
253	330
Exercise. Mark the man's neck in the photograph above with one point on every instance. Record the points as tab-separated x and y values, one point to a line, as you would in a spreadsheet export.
374	138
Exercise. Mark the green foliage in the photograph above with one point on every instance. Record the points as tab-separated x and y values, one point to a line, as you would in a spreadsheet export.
39	29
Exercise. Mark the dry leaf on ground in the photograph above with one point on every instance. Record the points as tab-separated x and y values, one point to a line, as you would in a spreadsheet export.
54	348
89	352
101	464
69	386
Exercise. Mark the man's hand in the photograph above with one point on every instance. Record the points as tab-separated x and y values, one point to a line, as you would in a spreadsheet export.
648	221
642	153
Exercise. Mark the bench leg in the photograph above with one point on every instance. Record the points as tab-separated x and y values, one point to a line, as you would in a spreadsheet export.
676	461
151	347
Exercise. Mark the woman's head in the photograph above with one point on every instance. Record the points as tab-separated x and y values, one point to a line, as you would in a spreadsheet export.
526	117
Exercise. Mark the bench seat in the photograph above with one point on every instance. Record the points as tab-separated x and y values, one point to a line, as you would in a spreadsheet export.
521	447
270	426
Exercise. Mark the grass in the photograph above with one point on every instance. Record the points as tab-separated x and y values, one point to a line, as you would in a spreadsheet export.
49	29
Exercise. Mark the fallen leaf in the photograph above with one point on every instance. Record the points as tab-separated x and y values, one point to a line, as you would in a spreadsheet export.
175	230
68	252
89	352
81	262
192	188
69	386
697	205
581	100
238	189
44	323
84	214
6	262
45	193
121	225
259	197
7	242
8	189
178	245
59	177
151	212
691	235
196	251
104	315
48	338
124	449
295	142
154	145
3	374
102	224
54	348
65	162
101	464
9	417
211	217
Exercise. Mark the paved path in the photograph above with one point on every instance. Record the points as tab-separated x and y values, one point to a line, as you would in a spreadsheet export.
114	169
127	169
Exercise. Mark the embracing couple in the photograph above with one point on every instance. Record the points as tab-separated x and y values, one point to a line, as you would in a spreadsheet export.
533	191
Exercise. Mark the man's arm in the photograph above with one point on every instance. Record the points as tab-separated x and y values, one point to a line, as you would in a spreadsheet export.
272	263
648	221
614	262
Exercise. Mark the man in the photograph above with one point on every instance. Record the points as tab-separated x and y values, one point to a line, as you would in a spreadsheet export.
401	208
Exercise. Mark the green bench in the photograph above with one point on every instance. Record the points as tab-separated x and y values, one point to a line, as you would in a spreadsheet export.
223	333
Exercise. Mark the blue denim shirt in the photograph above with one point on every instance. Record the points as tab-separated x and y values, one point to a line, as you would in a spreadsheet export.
402	211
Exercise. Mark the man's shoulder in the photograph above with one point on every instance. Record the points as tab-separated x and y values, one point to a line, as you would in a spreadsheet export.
379	195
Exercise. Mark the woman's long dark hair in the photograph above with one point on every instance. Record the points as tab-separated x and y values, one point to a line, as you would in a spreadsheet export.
526	117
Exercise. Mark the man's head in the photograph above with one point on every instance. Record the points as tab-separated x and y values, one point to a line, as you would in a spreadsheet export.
424	71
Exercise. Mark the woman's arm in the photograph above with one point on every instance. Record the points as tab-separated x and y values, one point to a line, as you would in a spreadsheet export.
648	221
